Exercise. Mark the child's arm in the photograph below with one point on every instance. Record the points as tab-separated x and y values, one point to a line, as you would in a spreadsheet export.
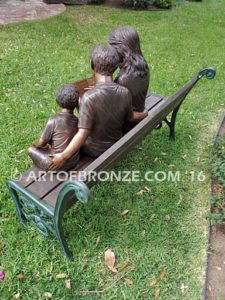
39	143
76	143
46	135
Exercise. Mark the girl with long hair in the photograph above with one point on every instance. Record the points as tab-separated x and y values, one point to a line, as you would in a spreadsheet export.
134	70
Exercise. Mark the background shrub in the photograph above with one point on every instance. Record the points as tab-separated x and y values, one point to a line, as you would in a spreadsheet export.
136	4
142	4
164	3
96	1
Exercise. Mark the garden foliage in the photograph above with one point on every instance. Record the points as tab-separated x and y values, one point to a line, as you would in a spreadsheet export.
141	4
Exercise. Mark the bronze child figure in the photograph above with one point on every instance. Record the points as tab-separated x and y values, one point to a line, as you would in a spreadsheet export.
134	70
103	110
58	132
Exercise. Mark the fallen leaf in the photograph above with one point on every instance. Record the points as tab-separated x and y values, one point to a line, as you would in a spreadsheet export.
128	281
183	288
68	284
51	267
167	218
124	213
61	276
184	156
162	275
144	190
147	189
97	241
6	219
131	267
157	294
143	233
152	217
110	260
16	296
20	277
153	282
48	295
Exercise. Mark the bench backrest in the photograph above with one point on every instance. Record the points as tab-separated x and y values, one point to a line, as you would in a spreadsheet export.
84	85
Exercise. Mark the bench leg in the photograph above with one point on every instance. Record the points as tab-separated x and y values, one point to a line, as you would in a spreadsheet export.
70	193
19	207
171	124
61	238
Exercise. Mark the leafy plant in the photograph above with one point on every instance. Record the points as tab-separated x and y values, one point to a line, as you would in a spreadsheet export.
142	4
217	216
136	4
96	1
164	3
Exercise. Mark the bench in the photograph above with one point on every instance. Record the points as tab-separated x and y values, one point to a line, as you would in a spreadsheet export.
43	198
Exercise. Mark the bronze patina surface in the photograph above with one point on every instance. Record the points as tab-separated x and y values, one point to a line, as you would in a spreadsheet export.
134	70
103	111
58	131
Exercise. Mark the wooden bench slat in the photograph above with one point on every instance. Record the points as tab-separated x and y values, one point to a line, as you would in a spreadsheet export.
51	198
152	100
50	181
84	84
28	176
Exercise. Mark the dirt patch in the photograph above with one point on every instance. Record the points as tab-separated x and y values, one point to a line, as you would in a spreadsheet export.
215	286
12	11
215	277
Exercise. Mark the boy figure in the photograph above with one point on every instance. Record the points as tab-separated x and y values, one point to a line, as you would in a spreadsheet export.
103	110
58	132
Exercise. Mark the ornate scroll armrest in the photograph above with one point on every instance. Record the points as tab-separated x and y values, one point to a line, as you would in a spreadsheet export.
209	72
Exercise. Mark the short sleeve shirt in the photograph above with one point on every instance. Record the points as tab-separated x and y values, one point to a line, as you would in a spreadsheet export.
59	131
104	110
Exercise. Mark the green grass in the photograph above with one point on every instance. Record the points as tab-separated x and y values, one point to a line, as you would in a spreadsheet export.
37	57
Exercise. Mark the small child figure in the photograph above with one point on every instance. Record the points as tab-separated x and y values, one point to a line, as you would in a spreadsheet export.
58	131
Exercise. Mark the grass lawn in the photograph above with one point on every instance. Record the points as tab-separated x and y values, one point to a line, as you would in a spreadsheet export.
37	57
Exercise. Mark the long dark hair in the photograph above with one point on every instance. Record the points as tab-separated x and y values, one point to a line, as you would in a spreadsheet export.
127	43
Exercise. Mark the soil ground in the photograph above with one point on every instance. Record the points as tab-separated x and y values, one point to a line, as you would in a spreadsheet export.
215	279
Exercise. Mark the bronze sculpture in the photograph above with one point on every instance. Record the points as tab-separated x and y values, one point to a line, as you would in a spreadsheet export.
58	131
134	70
103	109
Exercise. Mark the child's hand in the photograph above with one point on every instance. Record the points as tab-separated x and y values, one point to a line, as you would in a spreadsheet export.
35	144
41	144
57	161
